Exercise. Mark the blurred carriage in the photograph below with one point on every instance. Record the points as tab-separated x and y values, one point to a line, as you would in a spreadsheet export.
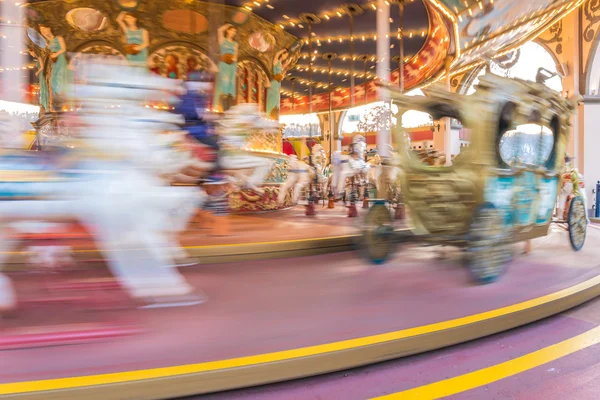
502	190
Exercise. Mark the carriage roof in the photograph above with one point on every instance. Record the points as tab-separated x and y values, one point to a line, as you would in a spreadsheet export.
496	100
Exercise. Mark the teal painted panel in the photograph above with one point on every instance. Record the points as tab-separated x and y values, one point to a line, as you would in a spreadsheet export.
499	191
547	195
525	195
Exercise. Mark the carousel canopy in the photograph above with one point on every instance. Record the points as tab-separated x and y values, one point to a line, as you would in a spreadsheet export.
469	31
463	32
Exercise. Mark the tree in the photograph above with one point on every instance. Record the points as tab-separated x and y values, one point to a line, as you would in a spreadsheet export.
378	118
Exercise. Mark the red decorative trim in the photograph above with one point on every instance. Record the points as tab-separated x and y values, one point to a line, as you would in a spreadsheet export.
419	136
428	63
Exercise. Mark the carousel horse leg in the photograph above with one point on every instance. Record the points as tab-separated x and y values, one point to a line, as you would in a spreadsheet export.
258	177
136	251
342	181
352	211
366	196
284	189
330	196
300	184
310	206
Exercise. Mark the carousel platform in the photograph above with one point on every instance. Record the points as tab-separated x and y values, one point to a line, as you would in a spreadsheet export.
279	234
276	320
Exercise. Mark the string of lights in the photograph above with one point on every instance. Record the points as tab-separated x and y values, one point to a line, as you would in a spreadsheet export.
290	94
307	82
366	36
338	12
335	71
30	66
252	5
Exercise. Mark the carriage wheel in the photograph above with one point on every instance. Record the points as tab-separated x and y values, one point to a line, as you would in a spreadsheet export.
377	241
489	251
577	223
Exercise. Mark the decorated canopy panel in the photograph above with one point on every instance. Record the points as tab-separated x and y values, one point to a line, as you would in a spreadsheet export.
488	28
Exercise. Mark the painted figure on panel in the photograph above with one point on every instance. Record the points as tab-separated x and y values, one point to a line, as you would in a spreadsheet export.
155	66
172	66
60	68
136	39
225	88
192	65
273	92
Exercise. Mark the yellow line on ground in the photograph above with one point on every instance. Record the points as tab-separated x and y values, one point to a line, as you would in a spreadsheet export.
122	377
307	240
497	372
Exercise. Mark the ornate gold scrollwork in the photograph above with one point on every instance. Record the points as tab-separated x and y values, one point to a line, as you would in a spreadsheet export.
589	10
263	141
556	32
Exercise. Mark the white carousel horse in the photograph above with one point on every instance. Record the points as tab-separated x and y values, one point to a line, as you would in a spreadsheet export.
170	156
238	123
110	182
351	166
300	174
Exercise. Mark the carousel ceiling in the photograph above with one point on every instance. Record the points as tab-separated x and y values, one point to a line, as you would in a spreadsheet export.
470	31
332	35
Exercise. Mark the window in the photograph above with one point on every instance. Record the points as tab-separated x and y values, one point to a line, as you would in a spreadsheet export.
528	144
304	125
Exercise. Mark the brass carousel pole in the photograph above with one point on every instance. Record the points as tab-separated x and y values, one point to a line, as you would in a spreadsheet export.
310	20
383	74
400	4
329	57
293	80
365	58
448	133
352	10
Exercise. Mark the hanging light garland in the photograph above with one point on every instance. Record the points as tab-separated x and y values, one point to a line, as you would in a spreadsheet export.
337	12
307	82
256	4
30	66
336	71
289	94
363	37
347	57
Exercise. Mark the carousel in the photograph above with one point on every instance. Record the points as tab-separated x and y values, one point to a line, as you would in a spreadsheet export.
118	161
242	56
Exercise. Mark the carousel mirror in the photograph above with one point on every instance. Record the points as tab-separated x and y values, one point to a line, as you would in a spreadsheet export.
86	19
528	144
36	38
240	17
262	42
128	4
